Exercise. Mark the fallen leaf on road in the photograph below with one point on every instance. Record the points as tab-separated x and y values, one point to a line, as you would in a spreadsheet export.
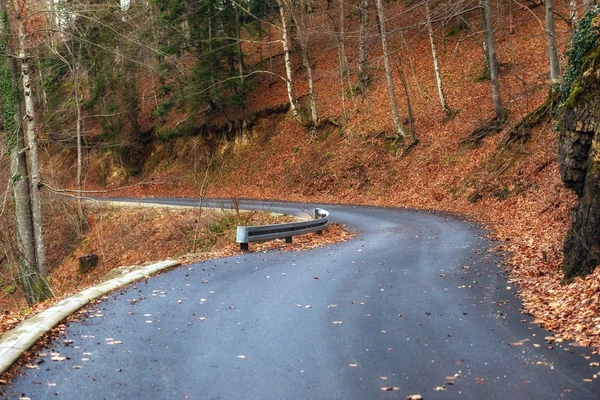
439	388
58	358
352	365
415	397
337	322
30	366
479	380
241	356
595	364
389	389
383	378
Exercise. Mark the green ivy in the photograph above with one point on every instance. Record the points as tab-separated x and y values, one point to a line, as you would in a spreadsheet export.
8	92
586	36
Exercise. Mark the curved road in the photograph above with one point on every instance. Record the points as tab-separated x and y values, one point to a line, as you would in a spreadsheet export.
414	304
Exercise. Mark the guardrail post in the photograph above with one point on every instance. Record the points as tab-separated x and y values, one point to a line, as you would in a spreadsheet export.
288	239
317	215
244	246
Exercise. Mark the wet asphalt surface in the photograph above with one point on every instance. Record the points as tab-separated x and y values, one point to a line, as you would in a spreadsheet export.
415	304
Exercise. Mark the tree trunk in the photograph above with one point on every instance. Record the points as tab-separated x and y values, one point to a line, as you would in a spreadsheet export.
36	201
400	134
363	49
409	111
553	53
573	15
301	25
285	41
492	60
436	67
33	282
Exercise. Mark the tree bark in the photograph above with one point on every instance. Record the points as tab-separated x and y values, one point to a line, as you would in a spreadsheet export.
400	133
32	282
36	201
363	49
492	60
285	41
552	52
573	15
301	25
436	67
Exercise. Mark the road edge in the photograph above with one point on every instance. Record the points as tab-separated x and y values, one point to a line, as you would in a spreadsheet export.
21	338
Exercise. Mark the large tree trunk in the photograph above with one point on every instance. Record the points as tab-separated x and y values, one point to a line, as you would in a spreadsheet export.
436	67
30	129
400	134
32	282
552	52
492	60
285	41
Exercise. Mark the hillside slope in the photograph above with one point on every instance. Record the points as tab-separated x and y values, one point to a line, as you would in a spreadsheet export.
514	190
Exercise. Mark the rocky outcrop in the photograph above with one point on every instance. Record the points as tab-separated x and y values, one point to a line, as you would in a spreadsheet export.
579	160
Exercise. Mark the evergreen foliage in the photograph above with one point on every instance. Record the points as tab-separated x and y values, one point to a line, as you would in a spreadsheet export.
586	36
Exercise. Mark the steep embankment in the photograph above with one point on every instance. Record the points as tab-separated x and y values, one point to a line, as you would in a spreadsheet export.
515	190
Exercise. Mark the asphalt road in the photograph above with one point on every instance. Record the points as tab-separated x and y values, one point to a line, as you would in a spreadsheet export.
414	303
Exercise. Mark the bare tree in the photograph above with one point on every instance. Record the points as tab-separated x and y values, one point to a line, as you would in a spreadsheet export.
492	60
436	67
32	276
553	53
363	49
285	41
299	15
400	133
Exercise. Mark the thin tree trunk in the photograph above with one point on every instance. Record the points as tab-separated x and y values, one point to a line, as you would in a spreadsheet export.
79	135
492	61
511	25
272	77
342	85
300	23
552	52
573	15
409	111
436	67
363	49
400	134
285	41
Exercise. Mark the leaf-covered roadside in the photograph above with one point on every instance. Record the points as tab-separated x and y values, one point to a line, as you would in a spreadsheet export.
123	237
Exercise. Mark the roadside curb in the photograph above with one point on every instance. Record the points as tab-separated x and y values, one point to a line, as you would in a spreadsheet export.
14	342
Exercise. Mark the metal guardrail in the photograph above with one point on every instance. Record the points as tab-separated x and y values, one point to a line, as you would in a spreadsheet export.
247	234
